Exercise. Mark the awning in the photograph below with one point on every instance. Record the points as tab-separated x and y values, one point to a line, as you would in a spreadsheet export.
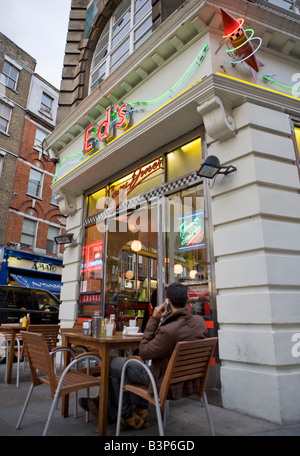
44	284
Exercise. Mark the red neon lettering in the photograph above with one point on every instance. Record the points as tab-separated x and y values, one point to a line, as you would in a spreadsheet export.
105	124
122	116
87	137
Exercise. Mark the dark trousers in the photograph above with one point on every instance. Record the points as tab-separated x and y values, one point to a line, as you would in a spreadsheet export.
135	374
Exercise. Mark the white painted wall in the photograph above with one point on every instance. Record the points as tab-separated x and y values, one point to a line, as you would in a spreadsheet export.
256	218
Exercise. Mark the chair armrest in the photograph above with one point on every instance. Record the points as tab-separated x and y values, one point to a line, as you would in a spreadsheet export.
84	355
60	349
138	358
77	360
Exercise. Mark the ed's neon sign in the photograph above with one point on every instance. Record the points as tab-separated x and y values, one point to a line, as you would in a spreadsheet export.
119	118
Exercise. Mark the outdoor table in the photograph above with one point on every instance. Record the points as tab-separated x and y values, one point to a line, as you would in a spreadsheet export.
12	329
103	345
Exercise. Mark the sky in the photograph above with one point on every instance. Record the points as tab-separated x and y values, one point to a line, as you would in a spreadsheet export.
40	28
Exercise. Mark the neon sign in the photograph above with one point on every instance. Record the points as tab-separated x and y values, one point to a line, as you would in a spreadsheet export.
294	86
241	42
191	231
119	118
93	256
119	191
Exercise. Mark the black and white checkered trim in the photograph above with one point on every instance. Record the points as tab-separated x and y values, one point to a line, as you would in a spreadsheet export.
133	203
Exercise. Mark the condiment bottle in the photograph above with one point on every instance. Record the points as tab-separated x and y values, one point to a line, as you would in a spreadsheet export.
112	319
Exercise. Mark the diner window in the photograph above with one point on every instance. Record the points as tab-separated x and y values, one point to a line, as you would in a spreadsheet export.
95	202
28	232
186	246
184	160
128	28
92	260
10	76
5	115
46	103
40	135
35	183
52	247
141	180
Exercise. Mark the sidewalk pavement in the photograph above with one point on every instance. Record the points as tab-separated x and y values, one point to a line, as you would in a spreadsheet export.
187	418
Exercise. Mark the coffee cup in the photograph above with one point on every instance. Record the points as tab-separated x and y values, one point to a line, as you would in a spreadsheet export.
132	329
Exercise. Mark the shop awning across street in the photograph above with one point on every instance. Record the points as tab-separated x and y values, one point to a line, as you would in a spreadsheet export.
53	286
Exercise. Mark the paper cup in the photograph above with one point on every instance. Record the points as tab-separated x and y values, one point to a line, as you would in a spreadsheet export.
132	322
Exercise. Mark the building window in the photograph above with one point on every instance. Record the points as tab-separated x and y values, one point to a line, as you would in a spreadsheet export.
128	28
35	183
5	114
40	135
53	199
46	103
1	161
10	76
28	232
51	244
291	5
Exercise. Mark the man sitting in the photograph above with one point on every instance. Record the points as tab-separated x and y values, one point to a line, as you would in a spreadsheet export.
170	323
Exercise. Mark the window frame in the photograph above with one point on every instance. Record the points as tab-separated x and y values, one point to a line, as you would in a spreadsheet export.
7	77
2	116
39	185
51	241
34	222
104	67
44	108
37	143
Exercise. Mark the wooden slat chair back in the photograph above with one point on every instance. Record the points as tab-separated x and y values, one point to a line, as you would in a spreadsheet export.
190	360
50	333
42	372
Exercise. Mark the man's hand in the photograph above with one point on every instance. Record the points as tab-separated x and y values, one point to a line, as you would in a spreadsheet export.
160	311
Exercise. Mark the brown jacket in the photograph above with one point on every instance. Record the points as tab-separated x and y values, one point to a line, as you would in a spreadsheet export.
159	341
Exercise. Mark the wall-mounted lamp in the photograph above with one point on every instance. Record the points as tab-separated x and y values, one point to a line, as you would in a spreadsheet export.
211	167
64	238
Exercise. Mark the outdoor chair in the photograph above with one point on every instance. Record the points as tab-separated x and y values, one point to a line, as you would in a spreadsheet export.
190	360
42	372
50	333
5	333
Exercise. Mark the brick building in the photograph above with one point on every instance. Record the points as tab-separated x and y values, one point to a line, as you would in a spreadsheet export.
29	214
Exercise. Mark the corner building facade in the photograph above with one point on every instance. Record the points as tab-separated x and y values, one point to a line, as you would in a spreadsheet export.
147	102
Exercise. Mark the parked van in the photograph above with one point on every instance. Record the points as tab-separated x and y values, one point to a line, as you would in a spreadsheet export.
16	302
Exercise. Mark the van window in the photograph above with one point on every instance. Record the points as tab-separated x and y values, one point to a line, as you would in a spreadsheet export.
6	298
22	299
46	302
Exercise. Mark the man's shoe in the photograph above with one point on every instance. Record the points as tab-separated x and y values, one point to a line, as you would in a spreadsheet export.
134	421
94	406
84	403
143	413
